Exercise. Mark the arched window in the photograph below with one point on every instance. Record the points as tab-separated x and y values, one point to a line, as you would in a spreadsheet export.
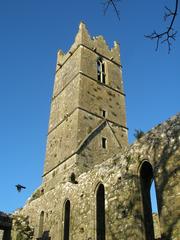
41	224
146	179
101	76
66	219
100	213
153	197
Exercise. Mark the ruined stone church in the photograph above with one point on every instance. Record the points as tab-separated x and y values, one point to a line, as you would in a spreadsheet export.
96	186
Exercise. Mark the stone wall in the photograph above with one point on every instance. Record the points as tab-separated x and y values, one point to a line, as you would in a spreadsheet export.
123	203
21	230
77	163
1	234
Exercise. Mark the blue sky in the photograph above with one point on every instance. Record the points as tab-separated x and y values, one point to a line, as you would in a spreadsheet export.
31	32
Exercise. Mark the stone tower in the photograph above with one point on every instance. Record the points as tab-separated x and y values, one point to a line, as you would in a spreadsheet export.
87	120
93	188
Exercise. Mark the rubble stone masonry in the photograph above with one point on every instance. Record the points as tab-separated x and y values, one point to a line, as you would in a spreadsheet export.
89	164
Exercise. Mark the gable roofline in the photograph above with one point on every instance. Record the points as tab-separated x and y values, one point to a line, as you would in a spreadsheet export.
93	133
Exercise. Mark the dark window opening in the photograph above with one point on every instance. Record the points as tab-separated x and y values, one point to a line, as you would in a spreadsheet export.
101	76
66	220
103	73
41	224
104	142
146	179
73	178
100	213
104	113
99	70
5	234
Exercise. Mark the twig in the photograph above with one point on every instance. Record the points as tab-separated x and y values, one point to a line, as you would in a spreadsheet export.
114	3
170	34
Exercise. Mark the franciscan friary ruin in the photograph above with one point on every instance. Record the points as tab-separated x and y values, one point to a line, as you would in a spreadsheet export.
95	185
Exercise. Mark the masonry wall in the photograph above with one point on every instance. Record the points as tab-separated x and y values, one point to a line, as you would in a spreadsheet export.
95	97
76	162
123	202
77	106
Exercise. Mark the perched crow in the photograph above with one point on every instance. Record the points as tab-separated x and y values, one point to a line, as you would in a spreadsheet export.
19	187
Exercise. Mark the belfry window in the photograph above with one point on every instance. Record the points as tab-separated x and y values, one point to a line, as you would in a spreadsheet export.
101	76
66	220
146	180
100	213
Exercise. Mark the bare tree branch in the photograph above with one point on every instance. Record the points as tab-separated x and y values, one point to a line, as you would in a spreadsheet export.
114	4
167	36
170	33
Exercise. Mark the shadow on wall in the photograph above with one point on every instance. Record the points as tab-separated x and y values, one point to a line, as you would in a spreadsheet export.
5	226
168	182
45	236
131	212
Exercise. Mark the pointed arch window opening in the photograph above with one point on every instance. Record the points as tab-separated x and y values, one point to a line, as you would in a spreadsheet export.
153	197
66	220
149	199
101	76
100	213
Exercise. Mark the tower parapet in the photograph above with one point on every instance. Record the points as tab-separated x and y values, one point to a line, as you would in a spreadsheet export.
97	44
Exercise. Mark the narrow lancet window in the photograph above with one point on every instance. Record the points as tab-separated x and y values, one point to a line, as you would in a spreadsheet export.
101	76
156	222
66	220
104	113
147	178
100	213
41	224
153	197
104	143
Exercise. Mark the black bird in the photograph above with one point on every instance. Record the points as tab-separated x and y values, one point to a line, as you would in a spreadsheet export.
19	187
